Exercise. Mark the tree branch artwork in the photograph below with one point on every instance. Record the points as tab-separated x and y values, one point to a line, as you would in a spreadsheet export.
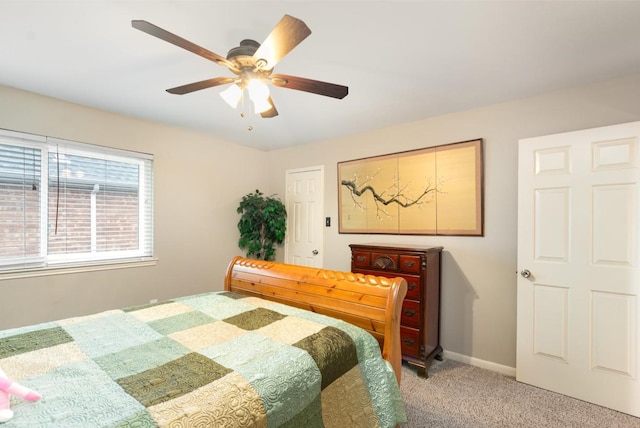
399	195
436	190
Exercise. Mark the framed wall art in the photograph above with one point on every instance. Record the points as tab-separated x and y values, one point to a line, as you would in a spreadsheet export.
431	191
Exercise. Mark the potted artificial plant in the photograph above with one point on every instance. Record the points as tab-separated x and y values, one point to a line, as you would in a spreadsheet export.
262	225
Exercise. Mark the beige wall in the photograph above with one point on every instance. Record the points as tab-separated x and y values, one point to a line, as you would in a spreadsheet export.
479	273
191	179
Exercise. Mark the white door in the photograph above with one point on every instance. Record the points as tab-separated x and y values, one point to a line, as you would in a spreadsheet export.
304	201
578	275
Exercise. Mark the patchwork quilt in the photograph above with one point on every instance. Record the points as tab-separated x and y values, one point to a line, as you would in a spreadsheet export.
219	359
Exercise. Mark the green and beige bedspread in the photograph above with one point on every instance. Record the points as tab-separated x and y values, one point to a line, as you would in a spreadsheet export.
211	360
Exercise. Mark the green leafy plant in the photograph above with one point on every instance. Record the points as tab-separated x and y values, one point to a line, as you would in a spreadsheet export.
262	225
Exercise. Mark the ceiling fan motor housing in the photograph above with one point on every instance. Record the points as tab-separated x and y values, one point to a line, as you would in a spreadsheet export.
242	55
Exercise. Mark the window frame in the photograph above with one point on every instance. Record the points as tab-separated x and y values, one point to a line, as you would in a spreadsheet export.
51	264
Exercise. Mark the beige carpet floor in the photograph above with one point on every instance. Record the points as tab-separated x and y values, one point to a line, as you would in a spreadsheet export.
458	395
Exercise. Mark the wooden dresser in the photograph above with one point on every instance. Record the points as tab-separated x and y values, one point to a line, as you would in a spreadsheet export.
420	322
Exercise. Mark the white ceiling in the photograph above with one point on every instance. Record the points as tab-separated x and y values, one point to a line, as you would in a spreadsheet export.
402	61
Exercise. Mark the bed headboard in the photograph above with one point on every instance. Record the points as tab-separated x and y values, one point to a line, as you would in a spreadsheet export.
370	302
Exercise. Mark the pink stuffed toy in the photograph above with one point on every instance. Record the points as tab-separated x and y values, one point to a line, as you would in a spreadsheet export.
8	388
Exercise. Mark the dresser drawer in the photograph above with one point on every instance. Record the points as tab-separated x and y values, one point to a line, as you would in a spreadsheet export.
361	258
384	261
409	264
409	342
413	286
410	314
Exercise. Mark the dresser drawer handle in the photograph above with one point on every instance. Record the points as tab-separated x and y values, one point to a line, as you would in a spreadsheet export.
411	286
361	259
409	312
409	263
408	341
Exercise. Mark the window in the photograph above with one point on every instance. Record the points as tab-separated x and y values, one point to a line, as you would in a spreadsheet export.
63	202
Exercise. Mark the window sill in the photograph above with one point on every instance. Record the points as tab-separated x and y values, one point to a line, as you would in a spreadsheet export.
78	268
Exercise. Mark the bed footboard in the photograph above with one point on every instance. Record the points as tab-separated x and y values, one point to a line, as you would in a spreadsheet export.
370	302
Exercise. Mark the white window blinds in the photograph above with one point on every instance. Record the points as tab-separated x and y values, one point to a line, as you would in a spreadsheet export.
66	202
20	203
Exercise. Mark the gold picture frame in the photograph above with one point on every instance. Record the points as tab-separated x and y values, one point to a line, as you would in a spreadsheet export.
431	191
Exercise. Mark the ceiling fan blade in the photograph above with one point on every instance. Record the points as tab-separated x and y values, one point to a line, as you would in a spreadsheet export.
162	34
309	85
203	84
272	112
286	35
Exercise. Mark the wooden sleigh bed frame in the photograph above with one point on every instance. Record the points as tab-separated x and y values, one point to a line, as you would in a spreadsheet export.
222	358
369	302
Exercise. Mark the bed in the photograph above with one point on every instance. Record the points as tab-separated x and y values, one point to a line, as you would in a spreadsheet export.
281	346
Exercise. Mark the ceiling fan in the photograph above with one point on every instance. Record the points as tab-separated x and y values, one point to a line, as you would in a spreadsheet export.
252	63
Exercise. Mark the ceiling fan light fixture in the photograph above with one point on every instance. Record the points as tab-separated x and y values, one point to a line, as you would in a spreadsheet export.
232	95
261	105
259	94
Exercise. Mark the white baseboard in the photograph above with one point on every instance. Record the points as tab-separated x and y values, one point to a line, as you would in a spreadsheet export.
505	370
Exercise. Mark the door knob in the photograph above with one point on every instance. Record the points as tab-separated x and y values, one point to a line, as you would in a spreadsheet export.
525	273
314	252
